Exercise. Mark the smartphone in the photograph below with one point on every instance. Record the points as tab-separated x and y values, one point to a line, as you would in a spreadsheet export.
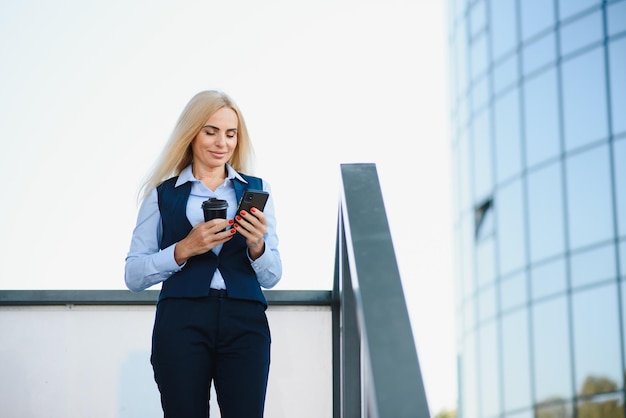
252	198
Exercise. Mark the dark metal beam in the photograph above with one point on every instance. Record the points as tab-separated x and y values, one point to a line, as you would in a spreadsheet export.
147	297
393	382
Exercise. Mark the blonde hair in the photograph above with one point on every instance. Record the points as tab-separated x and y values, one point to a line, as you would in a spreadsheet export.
177	153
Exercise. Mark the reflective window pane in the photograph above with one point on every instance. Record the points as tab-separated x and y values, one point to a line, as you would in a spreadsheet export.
616	17
485	268
617	62
622	261
454	68
542	118
489	386
457	273
596	338
454	178
460	6
483	181
537	15
545	212
503	26
548	279
509	209
465	189
461	55
486	303
469	377
623	287
463	113
479	55
477	17
469	315
540	53
581	33
467	255
507	136
551	353
505	74
619	157
590	212
485	228
567	8
593	266
513	293
515	360
480	93
584	99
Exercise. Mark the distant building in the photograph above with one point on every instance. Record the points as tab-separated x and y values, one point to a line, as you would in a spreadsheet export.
538	122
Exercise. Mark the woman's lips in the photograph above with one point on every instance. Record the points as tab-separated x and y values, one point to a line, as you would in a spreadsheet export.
217	154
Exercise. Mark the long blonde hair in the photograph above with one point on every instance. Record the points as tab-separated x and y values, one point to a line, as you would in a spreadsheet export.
177	153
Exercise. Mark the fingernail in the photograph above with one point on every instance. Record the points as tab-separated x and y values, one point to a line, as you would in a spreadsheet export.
232	231
238	217
235	226
230	221
252	210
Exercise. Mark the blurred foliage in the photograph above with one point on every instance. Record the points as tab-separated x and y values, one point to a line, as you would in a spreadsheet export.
444	413
554	411
601	399
604	406
593	385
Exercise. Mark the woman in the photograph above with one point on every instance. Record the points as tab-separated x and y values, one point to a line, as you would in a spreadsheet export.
210	320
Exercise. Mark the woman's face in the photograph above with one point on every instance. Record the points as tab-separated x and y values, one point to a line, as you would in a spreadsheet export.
217	140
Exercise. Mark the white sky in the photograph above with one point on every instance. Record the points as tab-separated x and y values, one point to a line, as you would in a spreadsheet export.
92	89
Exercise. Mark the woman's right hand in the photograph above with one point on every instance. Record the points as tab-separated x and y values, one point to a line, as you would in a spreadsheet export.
202	238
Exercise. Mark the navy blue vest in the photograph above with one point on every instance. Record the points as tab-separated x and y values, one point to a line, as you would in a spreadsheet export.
194	279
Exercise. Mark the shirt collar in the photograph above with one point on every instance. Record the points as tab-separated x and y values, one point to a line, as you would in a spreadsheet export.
187	175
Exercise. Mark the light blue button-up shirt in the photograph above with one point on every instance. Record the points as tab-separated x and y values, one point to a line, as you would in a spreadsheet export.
147	264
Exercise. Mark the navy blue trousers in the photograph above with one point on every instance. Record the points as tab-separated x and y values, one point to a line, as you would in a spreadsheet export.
199	340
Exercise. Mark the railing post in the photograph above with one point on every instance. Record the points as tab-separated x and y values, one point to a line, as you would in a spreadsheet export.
346	340
377	350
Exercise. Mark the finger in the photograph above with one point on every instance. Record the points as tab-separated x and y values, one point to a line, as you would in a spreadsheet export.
248	230
217	224
244	221
242	226
258	214
253	215
256	221
254	238
206	235
225	235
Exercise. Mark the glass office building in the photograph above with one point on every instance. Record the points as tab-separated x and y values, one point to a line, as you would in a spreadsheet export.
538	118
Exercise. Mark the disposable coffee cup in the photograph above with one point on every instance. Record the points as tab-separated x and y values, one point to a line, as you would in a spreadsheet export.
214	208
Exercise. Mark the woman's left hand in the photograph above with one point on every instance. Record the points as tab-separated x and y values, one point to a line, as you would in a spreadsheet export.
252	225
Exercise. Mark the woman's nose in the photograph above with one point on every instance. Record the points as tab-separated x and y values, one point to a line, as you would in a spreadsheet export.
221	139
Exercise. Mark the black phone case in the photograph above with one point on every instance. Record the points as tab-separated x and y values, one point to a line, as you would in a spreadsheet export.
253	198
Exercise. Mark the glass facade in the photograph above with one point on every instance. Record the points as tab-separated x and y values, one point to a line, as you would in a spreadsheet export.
538	122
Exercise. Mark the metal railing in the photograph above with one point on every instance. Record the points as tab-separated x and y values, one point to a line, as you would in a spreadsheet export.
376	371
146	297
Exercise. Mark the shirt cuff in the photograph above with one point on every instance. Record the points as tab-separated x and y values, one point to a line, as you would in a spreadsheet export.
165	261
264	262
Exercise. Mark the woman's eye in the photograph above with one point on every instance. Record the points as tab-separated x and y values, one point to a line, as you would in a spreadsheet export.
209	132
